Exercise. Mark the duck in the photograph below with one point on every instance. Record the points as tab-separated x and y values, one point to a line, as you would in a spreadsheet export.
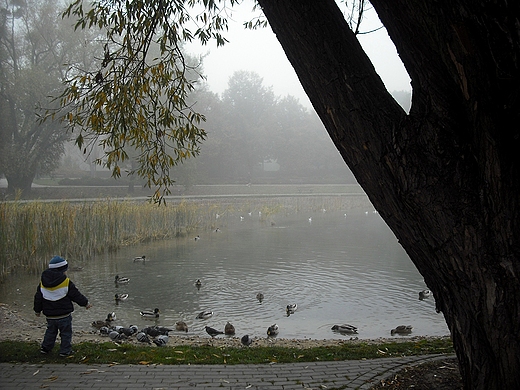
140	258
121	297
150	314
345	328
290	309
229	329
402	329
198	283
273	330
212	331
121	280
99	324
246	340
181	326
424	294
260	297
203	315
197	238
161	340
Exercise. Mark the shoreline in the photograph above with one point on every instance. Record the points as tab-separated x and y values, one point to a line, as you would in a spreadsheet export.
16	328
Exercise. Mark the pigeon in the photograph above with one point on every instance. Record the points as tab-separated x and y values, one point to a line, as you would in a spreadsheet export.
151	331
272	330
213	332
116	336
104	330
229	329
161	340
142	337
128	331
246	340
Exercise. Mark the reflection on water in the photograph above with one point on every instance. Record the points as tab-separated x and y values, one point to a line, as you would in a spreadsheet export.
337	270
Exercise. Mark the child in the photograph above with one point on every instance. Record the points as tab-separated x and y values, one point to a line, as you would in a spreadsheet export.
54	296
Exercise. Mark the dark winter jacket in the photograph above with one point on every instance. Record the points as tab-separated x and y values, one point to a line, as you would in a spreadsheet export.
55	294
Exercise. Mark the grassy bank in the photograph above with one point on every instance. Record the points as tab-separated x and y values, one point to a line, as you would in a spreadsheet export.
108	353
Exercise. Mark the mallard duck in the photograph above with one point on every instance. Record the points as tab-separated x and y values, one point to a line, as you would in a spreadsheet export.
424	294
121	297
121	280
203	315
260	297
197	238
161	340
290	309
212	331
246	340
272	330
181	326
99	324
198	283
140	258
402	329
345	328
150	314
229	329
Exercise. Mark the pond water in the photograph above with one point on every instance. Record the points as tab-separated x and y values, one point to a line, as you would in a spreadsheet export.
337	268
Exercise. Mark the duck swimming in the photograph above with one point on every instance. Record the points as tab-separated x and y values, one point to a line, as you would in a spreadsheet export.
121	297
345	328
121	280
424	294
140	258
203	315
402	329
273	330
229	329
291	309
260	297
181	326
150	314
198	283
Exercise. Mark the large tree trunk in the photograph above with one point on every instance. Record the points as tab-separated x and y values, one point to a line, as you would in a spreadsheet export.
445	178
19	184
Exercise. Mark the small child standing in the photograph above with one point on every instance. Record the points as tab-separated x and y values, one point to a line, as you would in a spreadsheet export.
54	296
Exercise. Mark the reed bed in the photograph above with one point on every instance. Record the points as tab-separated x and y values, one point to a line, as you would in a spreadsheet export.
32	232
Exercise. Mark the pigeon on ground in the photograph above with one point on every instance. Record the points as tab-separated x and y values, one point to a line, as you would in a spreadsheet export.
213	332
246	340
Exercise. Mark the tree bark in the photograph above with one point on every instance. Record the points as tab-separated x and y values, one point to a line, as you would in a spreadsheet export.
445	178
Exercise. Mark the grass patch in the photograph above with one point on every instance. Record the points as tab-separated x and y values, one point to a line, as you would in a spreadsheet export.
110	353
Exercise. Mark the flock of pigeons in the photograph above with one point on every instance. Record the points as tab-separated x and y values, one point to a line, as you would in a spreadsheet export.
158	335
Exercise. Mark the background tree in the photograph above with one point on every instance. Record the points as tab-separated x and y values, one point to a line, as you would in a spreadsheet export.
35	43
